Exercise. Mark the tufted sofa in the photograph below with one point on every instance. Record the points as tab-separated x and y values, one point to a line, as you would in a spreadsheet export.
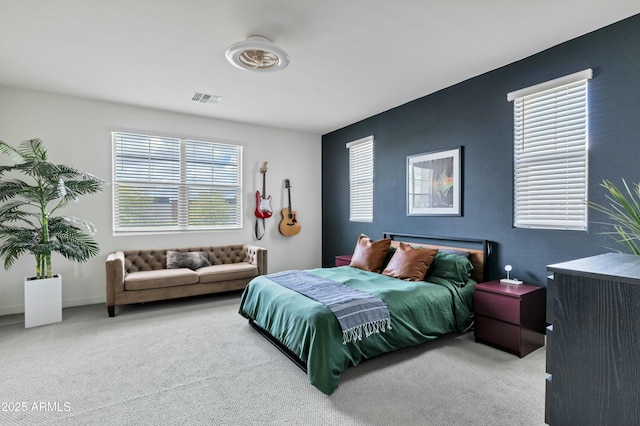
135	276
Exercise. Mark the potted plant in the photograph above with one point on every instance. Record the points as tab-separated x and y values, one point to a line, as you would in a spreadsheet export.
624	212
32	191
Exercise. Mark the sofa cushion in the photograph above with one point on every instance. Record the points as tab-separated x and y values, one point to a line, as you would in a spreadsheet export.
227	272
145	280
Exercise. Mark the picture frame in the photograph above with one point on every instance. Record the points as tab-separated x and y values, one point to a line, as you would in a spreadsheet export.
434	183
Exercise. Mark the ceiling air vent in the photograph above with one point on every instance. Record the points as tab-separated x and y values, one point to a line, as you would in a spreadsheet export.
203	98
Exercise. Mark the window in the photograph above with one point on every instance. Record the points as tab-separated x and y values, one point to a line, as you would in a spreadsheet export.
550	154
171	184
361	180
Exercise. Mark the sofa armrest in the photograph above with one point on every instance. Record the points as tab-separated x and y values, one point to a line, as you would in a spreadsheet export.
256	256
115	278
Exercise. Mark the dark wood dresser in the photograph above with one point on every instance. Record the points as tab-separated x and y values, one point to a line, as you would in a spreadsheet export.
593	342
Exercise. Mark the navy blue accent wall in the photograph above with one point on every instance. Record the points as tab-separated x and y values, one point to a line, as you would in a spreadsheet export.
475	114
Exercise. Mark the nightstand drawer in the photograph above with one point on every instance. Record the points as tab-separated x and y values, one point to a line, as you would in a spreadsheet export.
498	333
497	306
343	260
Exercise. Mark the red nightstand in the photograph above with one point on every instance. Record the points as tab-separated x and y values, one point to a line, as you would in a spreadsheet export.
343	260
510	317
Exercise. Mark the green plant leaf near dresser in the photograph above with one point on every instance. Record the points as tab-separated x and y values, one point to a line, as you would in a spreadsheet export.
623	213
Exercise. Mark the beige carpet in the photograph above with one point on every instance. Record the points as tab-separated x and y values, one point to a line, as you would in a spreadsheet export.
197	362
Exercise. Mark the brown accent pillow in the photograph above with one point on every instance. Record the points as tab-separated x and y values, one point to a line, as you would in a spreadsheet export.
370	255
410	263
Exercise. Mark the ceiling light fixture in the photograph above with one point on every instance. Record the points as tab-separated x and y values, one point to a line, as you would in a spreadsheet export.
257	53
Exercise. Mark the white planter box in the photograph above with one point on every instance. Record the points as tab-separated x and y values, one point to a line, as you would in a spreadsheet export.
42	301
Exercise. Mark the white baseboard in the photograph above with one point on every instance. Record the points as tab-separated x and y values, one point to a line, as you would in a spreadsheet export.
81	301
66	303
10	310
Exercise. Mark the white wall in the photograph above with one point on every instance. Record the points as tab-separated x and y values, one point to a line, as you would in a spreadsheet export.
76	132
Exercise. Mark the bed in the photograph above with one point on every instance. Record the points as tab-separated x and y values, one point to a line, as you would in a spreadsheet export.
308	332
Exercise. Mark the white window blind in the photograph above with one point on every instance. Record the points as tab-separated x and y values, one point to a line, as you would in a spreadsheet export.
550	154
361	180
171	184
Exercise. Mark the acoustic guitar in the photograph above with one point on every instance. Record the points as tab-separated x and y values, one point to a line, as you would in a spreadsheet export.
289	224
263	203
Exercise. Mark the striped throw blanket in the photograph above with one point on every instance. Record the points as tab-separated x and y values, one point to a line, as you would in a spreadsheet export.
359	313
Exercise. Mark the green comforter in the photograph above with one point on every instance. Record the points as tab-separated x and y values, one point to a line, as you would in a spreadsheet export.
420	311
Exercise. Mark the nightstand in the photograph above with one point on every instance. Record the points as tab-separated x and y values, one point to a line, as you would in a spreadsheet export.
343	260
510	317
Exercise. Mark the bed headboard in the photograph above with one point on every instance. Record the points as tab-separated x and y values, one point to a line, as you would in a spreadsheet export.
479	249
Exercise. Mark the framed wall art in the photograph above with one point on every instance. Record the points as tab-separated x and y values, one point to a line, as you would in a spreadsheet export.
434	183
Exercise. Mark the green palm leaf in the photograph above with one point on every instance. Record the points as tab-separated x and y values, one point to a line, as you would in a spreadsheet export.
624	214
27	221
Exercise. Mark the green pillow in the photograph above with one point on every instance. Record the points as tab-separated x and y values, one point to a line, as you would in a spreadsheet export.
452	267
390	253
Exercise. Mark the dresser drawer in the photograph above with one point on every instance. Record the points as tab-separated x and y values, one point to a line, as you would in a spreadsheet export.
497	306
550	356
548	399
498	333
